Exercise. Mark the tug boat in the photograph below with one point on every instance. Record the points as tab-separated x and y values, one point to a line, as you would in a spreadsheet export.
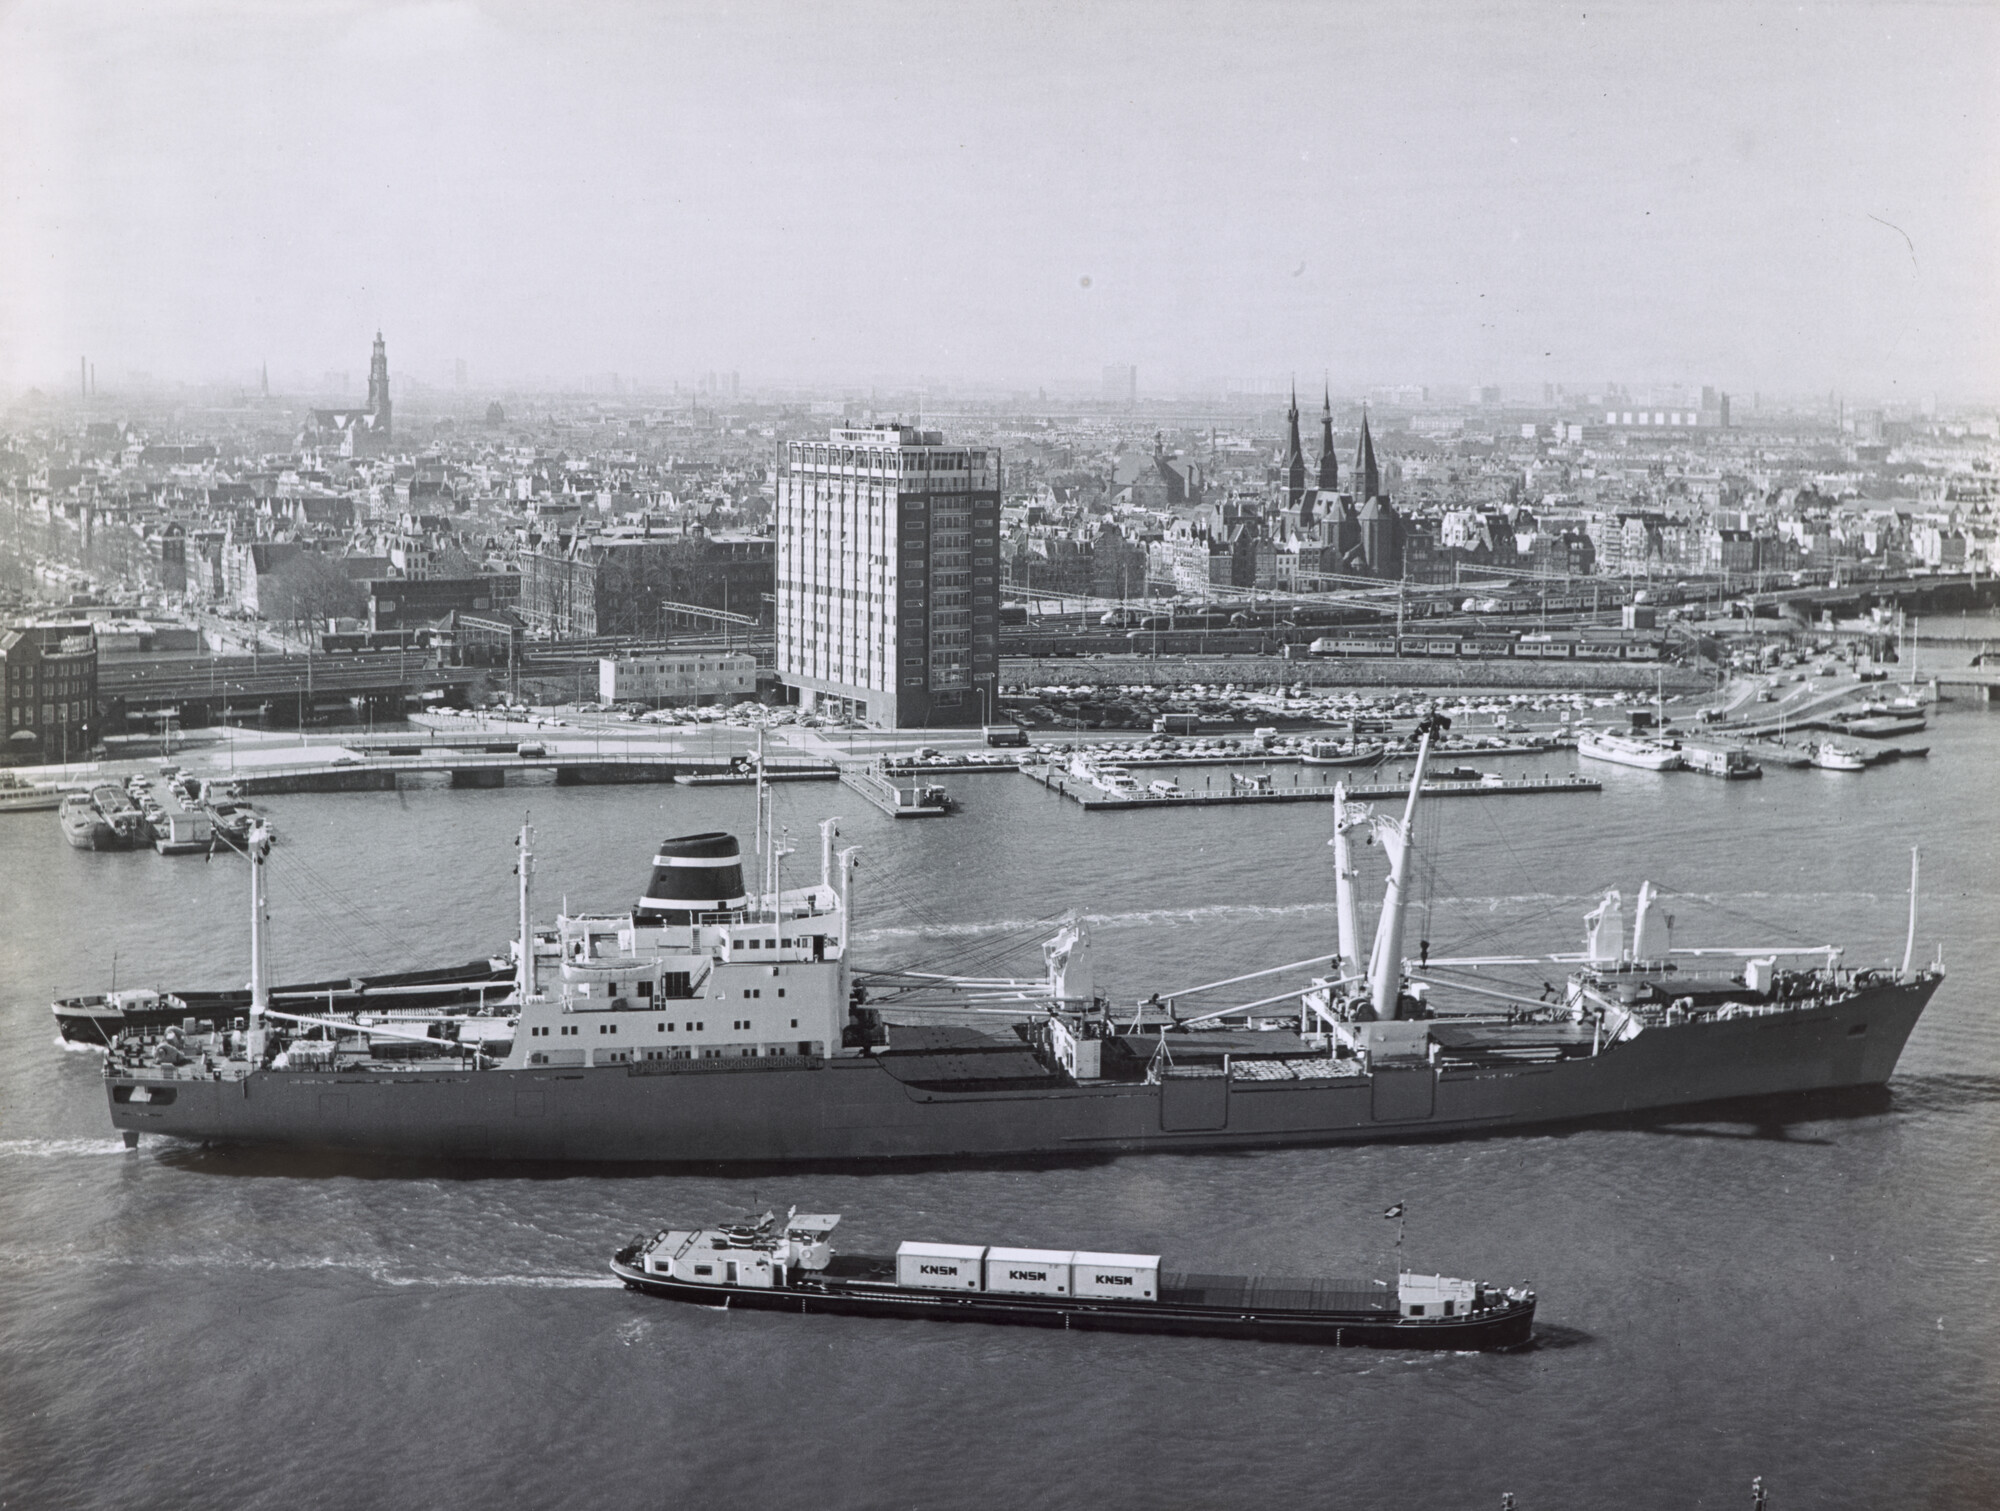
788	1265
1829	756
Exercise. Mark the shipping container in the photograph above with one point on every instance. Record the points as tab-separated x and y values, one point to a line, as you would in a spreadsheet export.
1028	1272
1135	1277
939	1266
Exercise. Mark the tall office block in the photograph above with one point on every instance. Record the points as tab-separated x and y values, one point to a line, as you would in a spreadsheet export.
888	577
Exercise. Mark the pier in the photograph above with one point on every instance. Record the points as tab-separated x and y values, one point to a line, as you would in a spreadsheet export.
483	768
1247	792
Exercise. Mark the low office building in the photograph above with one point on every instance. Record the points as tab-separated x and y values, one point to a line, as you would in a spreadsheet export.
661	677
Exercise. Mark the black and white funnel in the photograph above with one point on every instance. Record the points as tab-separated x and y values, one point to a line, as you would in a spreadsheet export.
694	874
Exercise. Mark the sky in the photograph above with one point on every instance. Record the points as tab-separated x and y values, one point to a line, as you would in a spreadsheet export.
1774	197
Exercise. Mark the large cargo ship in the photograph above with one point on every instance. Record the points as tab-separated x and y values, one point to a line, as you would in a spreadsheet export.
790	1266
722	1021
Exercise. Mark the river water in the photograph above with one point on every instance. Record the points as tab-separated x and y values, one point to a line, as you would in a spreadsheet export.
1807	1293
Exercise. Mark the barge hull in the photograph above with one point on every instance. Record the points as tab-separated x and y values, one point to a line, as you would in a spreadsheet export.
806	1111
1508	1327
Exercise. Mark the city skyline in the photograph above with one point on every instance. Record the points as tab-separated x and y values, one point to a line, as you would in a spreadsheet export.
1750	197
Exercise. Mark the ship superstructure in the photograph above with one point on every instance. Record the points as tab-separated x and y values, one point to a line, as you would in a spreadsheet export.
720	1019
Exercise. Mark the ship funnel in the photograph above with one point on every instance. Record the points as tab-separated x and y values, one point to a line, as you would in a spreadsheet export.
694	874
1604	940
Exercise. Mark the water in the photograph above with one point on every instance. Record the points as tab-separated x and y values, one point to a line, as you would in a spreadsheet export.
1809	1295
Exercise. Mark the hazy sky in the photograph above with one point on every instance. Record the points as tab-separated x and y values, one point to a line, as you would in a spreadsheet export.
1761	195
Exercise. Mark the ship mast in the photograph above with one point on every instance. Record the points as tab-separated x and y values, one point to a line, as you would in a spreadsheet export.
258	847
1910	939
829	831
758	844
525	869
1396	836
1346	816
846	859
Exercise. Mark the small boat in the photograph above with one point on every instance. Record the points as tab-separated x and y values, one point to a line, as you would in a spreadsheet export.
1627	750
1828	756
1163	787
17	796
83	826
1342	753
789	1265
232	823
1106	776
1878	721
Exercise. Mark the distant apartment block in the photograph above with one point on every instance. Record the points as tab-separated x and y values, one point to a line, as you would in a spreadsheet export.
1121	384
1712	415
888	576
660	677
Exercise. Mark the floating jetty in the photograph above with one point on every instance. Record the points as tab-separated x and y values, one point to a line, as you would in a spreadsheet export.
1242	793
919	799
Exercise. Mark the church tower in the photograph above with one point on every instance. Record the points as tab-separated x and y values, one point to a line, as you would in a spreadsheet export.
1367	476
1295	455
1329	464
378	387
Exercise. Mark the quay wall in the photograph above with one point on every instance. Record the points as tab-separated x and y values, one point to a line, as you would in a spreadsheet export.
1273	671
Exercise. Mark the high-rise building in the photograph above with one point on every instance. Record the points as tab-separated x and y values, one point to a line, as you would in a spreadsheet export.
1121	383
888	576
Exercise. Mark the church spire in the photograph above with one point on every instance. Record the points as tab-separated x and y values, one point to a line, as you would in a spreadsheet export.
1367	477
1329	464
378	386
1295	454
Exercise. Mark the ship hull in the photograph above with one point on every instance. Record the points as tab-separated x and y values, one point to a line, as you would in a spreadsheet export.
807	1111
1503	1327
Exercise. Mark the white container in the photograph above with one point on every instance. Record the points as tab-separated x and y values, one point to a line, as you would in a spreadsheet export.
1028	1272
1132	1277
939	1266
